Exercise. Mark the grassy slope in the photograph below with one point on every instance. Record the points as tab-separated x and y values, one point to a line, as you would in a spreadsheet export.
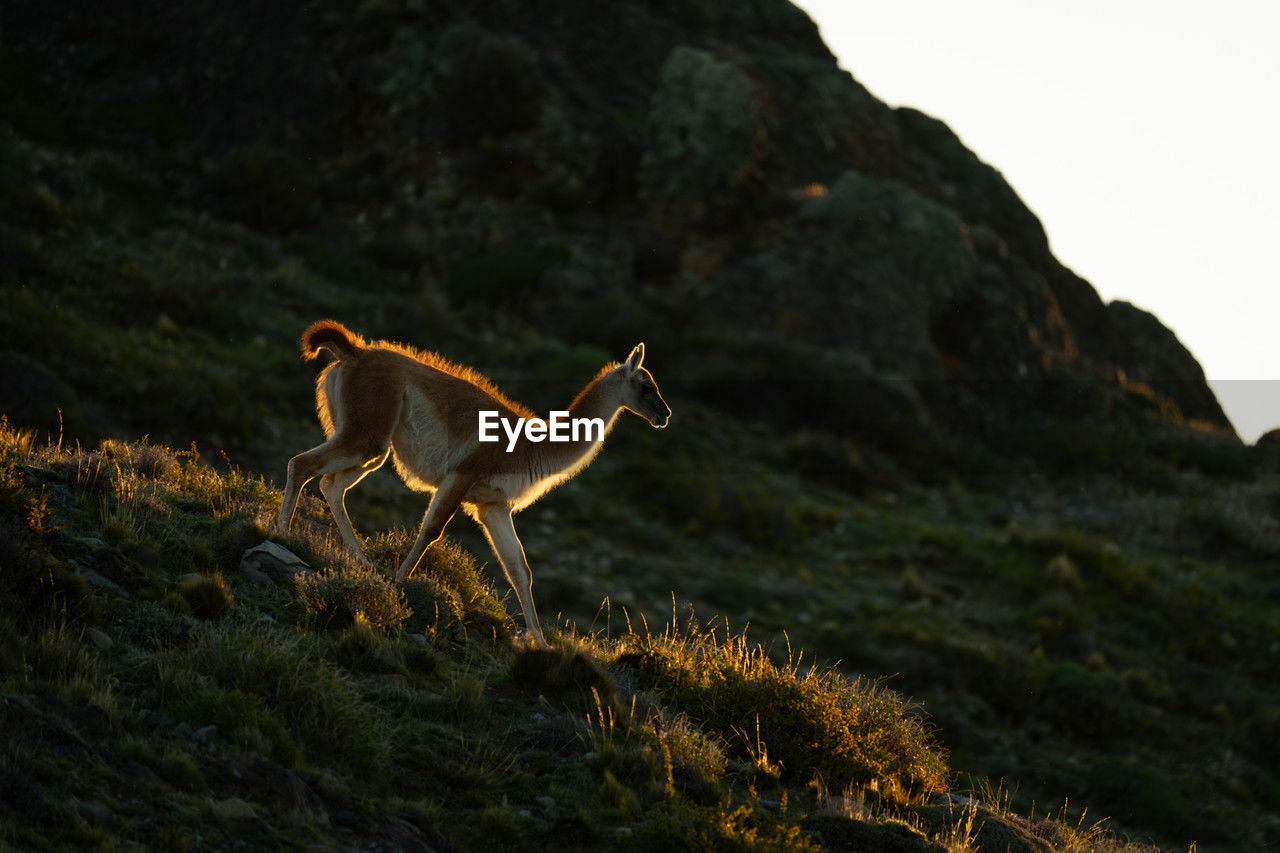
152	694
1103	643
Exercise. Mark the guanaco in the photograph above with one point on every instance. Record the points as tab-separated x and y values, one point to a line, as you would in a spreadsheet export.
381	399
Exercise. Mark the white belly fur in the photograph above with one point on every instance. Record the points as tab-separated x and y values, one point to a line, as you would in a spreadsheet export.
420	448
423	457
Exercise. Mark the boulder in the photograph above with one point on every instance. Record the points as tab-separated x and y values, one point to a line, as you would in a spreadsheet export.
274	562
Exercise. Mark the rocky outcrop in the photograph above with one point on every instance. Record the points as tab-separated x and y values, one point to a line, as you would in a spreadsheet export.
1148	352
699	174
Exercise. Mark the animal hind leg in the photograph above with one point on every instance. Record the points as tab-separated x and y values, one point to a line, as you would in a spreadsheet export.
334	487
352	446
365	414
327	458
302	469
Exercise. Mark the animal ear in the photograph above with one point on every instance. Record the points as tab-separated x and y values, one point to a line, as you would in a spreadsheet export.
635	359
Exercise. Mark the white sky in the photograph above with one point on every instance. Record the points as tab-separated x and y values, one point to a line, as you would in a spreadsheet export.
1144	135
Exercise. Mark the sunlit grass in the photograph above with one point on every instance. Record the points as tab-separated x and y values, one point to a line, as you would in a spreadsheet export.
810	721
688	732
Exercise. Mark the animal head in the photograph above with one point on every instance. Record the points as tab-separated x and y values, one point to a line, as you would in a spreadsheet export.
640	393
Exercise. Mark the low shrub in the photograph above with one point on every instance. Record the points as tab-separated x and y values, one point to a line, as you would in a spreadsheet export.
678	826
568	674
436	606
812	721
207	595
456	569
361	647
341	595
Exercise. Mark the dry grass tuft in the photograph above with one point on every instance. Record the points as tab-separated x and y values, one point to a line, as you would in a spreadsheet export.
207	595
810	721
339	596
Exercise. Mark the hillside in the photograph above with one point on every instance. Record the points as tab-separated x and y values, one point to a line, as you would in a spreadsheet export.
906	440
495	179
163	684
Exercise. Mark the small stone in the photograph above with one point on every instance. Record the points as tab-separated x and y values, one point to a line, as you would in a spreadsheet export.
92	811
418	639
204	733
183	729
99	638
137	772
277	552
234	808
102	582
546	802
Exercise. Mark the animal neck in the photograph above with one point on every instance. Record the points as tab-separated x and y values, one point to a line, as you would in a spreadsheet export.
600	399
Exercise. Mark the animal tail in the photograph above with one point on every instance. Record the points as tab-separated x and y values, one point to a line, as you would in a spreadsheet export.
330	335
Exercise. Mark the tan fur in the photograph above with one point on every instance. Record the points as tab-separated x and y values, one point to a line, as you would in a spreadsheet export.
331	335
385	400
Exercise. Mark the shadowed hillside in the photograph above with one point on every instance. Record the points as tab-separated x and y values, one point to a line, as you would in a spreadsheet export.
167	682
701	175
906	439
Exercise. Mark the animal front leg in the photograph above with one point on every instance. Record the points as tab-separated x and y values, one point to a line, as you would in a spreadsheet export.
444	503
501	532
